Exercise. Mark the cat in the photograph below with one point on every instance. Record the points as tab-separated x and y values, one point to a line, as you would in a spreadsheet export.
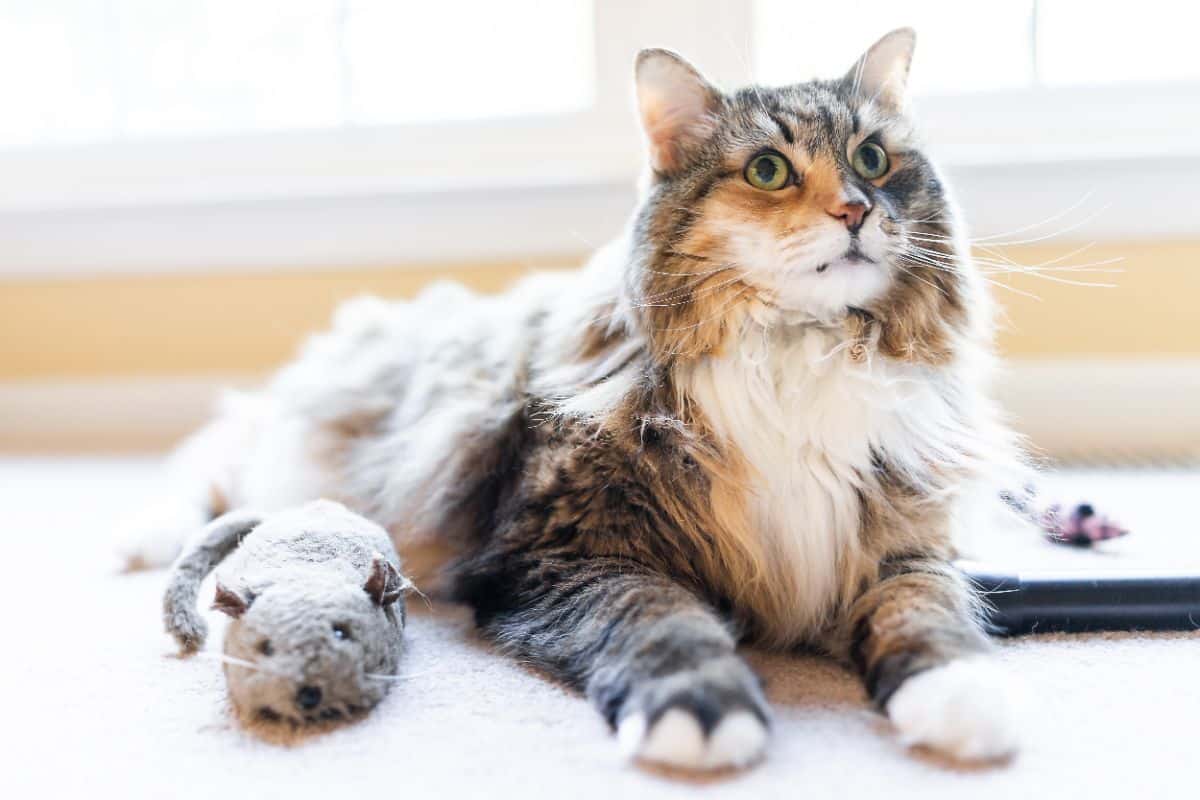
760	414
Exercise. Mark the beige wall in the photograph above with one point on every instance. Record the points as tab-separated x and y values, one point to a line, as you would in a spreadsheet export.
173	325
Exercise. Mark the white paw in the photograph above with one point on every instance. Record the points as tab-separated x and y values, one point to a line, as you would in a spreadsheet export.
677	739
968	709
154	537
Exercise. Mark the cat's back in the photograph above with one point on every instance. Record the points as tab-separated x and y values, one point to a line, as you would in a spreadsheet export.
383	356
387	406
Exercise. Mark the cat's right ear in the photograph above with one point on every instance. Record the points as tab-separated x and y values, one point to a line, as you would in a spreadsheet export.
230	602
676	104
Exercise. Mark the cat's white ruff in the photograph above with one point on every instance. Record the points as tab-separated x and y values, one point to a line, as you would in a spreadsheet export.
807	418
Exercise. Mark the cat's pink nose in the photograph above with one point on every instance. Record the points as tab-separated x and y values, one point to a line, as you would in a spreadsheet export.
851	214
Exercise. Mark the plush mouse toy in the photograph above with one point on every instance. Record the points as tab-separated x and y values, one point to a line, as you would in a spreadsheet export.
316	601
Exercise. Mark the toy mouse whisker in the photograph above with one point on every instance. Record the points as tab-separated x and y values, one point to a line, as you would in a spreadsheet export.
394	678
238	662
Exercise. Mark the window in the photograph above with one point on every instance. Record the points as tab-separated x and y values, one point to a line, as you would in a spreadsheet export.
979	47
80	71
1083	43
279	132
795	41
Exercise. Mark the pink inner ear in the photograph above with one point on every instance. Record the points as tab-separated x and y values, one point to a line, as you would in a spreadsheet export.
674	102
670	127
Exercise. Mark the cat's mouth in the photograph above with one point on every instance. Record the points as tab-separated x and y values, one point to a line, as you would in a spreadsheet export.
853	255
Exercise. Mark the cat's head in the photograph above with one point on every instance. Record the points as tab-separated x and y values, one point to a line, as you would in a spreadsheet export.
807	202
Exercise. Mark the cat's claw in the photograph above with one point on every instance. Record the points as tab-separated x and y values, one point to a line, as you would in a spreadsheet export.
967	709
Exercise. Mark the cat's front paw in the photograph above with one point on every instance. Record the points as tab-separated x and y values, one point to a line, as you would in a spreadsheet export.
712	717
967	709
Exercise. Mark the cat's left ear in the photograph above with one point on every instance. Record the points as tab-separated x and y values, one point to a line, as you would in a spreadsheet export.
881	73
677	106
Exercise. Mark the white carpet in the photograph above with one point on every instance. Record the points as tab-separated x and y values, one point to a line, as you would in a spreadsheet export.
96	705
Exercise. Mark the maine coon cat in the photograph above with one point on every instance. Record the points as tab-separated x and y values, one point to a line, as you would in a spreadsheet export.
760	414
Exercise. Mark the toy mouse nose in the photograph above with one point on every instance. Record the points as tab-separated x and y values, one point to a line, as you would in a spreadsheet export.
308	697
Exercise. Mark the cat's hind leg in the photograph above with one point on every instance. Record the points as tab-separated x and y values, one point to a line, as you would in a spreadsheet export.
196	486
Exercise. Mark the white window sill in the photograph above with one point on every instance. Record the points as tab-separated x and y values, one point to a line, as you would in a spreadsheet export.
390	225
1119	161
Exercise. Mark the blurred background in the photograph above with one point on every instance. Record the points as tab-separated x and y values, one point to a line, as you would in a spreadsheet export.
187	187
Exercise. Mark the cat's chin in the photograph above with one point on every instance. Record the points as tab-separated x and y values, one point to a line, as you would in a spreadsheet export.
847	262
824	291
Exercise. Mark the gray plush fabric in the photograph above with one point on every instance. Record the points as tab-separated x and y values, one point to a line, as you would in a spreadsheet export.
315	598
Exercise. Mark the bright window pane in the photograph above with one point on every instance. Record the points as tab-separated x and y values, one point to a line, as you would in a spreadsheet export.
55	72
220	66
77	71
467	59
1082	42
961	47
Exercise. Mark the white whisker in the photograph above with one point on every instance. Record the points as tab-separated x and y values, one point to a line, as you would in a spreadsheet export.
687	294
379	676
1033	226
237	662
719	314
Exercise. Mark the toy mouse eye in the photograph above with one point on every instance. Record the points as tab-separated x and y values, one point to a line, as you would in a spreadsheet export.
265	647
342	631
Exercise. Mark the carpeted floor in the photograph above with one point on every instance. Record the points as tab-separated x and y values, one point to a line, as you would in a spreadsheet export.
96	705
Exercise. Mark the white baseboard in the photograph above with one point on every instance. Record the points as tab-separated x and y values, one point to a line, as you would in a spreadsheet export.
108	415
1073	410
1106	410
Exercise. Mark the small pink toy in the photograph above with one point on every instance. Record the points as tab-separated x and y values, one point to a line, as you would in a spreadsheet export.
1081	525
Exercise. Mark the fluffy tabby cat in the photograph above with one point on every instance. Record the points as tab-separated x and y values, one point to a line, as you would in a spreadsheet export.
760	414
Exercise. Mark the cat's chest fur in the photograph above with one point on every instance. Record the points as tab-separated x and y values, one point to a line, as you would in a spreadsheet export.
806	420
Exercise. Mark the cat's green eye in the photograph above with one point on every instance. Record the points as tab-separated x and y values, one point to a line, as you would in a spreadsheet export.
870	160
769	171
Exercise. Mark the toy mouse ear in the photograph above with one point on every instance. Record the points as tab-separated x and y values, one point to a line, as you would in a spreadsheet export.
230	602
384	583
